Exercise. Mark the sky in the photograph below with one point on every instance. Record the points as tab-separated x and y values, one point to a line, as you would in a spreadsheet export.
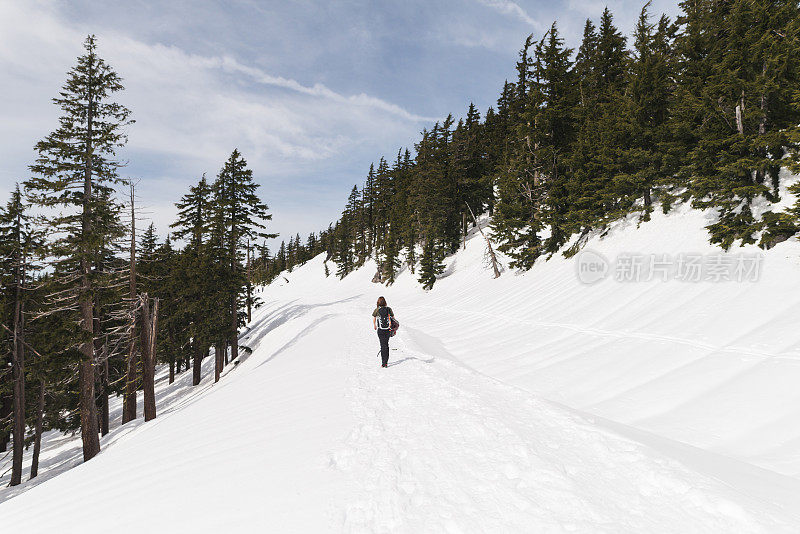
311	92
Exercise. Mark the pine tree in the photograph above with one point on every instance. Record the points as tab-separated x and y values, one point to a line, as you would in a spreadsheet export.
430	265
382	211
405	215
598	154
517	220
75	165
18	242
193	272
585	65
280	258
245	216
468	162
346	233
555	133
648	98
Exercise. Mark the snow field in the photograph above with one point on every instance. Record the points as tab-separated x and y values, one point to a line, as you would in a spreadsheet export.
528	403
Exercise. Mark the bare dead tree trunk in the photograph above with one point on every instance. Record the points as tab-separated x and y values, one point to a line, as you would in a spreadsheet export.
129	399
37	434
464	230
148	327
488	245
249	287
739	112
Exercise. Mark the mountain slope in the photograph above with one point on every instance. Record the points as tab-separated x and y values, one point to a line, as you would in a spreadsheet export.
533	401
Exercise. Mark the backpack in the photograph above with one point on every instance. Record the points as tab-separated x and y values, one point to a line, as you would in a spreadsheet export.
383	318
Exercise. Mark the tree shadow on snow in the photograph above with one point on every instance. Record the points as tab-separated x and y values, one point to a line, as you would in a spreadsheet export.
280	316
303	333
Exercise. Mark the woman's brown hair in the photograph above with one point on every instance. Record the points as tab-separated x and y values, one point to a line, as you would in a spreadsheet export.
381	301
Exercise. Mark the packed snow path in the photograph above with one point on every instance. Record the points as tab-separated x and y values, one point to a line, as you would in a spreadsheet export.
309	434
440	448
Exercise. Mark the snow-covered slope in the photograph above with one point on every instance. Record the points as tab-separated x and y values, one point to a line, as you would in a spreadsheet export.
529	403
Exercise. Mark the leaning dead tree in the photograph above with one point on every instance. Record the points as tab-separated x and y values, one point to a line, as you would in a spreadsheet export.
489	249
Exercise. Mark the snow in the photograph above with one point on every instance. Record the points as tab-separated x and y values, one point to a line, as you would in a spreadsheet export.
532	402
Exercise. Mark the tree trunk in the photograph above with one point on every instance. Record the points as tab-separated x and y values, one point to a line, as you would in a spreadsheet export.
129	399
102	370
196	364
148	328
104	418
18	371
647	200
86	374
37	436
171	338
234	342
6	409
88	412
217	360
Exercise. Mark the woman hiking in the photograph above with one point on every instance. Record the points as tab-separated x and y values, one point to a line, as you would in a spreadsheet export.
382	322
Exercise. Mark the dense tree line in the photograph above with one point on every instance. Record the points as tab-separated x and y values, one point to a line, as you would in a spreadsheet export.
90	306
703	109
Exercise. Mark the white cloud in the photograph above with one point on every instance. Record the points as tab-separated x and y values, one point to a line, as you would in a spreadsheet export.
507	7
319	90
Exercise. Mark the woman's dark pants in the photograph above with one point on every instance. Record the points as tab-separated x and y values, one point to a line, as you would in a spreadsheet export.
383	336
